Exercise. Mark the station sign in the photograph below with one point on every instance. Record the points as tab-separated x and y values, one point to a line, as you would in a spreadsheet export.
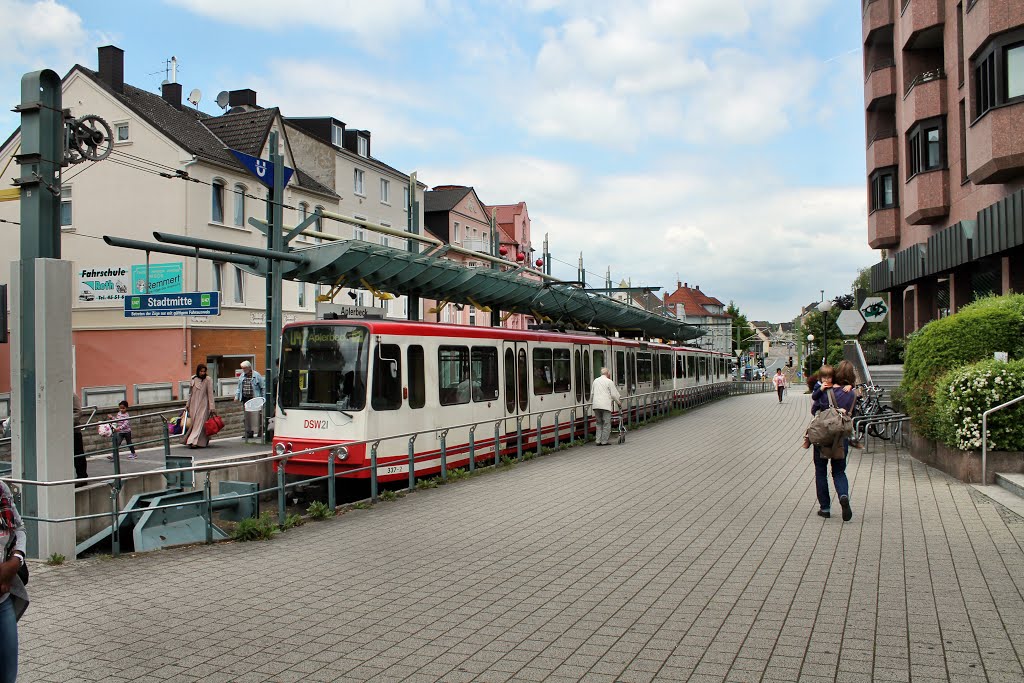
874	309
262	169
168	305
850	323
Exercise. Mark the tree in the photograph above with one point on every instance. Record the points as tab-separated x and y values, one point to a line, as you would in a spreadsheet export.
740	328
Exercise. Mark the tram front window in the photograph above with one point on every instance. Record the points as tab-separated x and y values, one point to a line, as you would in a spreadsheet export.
324	367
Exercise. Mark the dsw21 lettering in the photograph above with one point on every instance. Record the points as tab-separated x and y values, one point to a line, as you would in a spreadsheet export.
314	424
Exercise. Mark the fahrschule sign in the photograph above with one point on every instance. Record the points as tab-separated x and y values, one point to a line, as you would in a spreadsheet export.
111	284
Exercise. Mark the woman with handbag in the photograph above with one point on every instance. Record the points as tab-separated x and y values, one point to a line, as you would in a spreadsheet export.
13	575
198	409
825	397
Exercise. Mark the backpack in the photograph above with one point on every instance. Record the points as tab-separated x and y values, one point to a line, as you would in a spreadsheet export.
829	424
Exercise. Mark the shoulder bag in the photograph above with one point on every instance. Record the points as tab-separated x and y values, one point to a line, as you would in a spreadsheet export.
829	424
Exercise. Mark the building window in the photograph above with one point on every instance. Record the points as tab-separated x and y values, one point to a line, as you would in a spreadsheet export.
960	42
405	198
240	205
337	135
239	286
122	133
455	234
302	294
385	191
318	225
364	146
883	188
926	146
65	206
217	194
999	73
963	142
218	277
472	315
357	178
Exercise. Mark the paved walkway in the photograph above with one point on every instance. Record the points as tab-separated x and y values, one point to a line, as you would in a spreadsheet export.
693	552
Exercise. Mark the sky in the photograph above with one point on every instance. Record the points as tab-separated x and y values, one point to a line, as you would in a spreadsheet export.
715	142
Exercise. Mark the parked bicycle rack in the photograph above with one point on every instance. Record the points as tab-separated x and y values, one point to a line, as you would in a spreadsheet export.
891	425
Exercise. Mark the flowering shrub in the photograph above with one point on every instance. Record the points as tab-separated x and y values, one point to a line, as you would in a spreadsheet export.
962	395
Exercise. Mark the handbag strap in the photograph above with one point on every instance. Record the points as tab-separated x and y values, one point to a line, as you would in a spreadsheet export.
832	398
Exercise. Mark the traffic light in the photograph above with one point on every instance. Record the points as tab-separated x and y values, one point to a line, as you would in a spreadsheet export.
789	363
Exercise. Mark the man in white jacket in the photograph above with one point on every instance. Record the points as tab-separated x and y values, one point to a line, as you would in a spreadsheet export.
605	393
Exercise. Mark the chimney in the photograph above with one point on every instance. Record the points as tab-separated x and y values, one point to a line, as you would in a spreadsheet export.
242	98
171	92
686	285
111	60
678	284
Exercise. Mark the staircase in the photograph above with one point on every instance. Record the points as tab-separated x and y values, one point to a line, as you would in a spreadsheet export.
888	377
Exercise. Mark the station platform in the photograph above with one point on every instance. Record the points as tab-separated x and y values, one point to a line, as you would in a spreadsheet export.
690	553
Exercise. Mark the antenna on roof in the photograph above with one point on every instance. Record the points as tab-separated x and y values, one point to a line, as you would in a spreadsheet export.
195	96
222	99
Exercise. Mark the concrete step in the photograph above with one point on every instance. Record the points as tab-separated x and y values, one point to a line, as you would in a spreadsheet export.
1010	501
1014	483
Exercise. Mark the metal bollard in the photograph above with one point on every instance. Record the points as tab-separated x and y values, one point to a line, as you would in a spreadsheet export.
555	447
332	495
208	508
115	531
540	432
519	438
472	448
444	455
373	471
412	462
282	496
497	444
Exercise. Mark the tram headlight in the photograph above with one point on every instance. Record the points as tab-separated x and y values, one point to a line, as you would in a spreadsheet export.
340	453
279	449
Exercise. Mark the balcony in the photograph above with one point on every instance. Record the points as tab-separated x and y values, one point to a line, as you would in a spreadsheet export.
917	18
877	14
884	228
880	83
477	244
995	145
925	97
882	149
926	197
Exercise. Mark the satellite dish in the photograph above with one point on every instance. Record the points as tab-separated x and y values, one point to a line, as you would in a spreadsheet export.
195	96
164	82
222	99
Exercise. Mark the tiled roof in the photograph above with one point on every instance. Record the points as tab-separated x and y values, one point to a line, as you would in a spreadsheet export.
649	301
245	131
444	199
694	302
193	130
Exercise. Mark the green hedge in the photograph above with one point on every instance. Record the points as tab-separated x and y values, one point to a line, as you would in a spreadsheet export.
962	395
972	334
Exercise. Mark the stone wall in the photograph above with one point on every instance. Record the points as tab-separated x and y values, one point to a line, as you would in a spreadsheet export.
965	465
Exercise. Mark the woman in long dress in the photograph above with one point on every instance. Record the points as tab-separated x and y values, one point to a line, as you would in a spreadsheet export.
200	408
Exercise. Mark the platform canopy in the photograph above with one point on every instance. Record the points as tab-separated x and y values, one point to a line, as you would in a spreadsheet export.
358	264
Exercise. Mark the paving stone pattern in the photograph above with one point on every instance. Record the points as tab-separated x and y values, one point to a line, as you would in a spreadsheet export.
692	552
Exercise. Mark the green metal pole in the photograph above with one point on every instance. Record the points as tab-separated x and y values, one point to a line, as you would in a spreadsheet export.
495	245
412	300
42	154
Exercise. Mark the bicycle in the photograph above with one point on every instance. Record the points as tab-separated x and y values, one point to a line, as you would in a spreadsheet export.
869	405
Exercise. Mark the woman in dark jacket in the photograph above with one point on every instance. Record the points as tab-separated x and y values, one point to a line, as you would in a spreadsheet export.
844	399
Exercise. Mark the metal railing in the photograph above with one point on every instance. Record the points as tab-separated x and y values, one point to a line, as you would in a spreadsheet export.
882	134
984	434
925	77
634	410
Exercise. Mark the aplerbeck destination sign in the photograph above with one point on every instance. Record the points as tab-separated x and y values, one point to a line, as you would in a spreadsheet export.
166	305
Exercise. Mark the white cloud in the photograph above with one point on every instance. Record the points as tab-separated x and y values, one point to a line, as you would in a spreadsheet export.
767	244
39	33
368	21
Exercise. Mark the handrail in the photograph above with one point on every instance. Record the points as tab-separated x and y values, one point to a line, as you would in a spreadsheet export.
924	77
984	434
883	134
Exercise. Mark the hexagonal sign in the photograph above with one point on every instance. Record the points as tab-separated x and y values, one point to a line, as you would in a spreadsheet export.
874	309
850	323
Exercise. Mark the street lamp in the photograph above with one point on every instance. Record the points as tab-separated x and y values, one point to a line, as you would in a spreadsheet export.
810	338
825	307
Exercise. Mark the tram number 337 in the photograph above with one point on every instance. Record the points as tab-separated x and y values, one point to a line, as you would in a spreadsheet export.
393	469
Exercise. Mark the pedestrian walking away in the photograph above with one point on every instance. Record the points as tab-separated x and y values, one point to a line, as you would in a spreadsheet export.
824	396
779	381
199	408
605	394
13	594
251	385
123	429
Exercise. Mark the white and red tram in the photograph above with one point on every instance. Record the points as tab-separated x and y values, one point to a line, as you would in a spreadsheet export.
345	381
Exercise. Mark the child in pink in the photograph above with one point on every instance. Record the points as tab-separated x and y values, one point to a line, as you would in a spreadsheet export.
123	428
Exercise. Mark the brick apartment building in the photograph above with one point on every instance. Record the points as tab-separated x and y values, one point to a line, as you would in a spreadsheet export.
944	119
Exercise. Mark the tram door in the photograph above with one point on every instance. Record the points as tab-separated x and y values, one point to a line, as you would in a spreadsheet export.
517	389
581	383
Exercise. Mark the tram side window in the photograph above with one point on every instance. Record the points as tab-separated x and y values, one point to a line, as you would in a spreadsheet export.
643	367
599	363
387	378
453	375
562	363
417	377
583	374
485	373
666	367
577	358
542	377
679	367
631	371
510	380
620	367
691	367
